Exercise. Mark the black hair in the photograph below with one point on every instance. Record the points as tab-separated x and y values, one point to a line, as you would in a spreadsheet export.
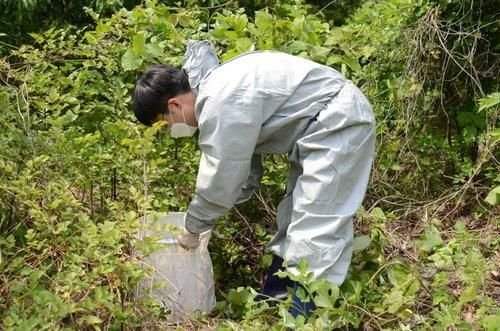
155	87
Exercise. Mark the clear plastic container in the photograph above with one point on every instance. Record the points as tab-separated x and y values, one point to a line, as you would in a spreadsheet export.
187	274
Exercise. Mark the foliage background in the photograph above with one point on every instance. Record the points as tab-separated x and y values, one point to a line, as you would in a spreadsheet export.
77	174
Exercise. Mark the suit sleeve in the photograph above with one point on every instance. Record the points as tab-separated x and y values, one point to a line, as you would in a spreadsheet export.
229	131
253	181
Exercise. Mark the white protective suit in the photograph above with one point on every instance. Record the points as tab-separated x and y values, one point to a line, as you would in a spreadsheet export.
270	102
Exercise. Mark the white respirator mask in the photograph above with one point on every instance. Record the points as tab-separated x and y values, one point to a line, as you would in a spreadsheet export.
179	130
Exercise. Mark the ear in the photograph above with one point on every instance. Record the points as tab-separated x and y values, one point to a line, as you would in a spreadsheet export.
174	104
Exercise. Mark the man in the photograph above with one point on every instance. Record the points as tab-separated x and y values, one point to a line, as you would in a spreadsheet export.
270	103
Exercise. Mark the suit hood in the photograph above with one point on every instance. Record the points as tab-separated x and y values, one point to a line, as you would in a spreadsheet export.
199	60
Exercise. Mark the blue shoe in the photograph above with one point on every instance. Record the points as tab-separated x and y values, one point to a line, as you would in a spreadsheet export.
274	286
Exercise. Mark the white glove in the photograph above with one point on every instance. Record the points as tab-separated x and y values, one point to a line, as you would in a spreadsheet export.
188	240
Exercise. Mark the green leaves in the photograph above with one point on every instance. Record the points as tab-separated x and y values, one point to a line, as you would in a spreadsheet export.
490	101
405	285
361	243
431	239
493	197
263	20
139	44
131	61
325	295
240	301
491	322
65	174
244	45
141	52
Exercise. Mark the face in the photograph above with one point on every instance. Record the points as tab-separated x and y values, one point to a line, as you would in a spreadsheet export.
181	110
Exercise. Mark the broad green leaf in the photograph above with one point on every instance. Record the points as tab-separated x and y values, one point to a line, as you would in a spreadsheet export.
322	301
319	53
326	294
402	278
239	296
224	34
130	60
154	51
378	213
490	101
288	319
352	62
361	243
302	295
139	43
334	37
302	266
295	47
394	301
263	20
238	23
431	239
332	59
493	197
244	45
352	291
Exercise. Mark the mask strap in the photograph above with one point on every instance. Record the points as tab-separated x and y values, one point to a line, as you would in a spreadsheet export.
170	114
172	118
184	116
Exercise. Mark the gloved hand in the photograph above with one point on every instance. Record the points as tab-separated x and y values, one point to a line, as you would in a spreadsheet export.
188	240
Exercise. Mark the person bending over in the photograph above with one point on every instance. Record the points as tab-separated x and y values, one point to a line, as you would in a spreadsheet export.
270	103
